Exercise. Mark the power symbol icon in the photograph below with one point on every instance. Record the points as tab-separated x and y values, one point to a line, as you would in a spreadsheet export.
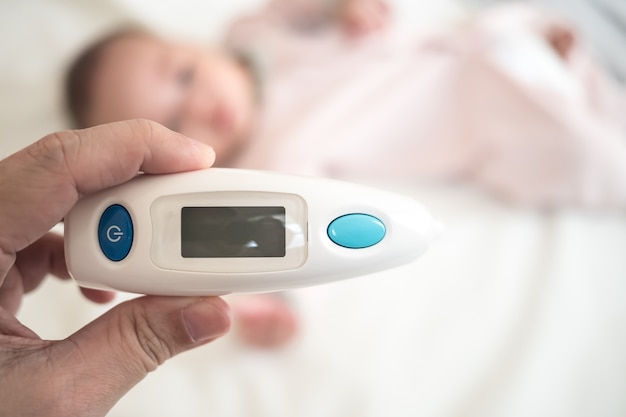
114	233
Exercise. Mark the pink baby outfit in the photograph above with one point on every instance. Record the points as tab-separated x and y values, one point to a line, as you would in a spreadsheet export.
491	102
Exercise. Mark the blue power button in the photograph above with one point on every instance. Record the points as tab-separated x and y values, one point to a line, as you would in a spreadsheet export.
115	232
356	231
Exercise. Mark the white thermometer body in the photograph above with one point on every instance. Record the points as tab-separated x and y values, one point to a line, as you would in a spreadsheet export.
218	231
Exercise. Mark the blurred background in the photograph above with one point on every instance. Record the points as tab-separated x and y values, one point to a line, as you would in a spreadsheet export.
514	311
39	38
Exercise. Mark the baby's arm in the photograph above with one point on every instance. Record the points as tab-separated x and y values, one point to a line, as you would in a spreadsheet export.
557	32
355	17
361	17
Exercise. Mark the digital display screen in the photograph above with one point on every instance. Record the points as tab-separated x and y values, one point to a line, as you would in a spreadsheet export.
233	232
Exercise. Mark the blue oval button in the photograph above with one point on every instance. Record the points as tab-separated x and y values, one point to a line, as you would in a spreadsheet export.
115	232
356	231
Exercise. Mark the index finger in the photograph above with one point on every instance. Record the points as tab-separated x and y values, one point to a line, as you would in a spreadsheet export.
41	183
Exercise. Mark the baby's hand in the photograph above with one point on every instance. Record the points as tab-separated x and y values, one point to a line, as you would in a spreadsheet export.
362	17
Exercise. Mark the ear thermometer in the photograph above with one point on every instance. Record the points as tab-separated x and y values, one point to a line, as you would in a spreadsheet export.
219	231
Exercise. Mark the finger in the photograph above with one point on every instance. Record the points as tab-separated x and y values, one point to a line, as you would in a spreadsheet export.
40	184
10	326
112	354
43	257
108	155
98	296
11	291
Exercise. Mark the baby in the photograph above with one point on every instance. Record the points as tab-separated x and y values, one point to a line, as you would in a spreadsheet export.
302	88
508	101
208	94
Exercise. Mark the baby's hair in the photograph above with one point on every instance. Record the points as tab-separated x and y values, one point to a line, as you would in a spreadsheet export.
81	73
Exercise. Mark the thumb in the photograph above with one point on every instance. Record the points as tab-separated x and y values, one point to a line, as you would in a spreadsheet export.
105	359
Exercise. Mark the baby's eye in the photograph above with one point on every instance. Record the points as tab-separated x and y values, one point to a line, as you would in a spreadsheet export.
184	76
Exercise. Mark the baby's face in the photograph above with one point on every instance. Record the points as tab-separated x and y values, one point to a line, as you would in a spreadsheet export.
201	93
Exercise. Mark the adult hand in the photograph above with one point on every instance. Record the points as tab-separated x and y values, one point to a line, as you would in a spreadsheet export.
87	373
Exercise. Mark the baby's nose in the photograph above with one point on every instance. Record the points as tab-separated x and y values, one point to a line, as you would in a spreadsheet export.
208	111
199	105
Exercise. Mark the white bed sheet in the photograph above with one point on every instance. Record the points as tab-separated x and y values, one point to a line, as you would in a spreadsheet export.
513	312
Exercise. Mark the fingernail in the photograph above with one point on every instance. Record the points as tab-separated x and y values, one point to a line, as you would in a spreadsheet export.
207	151
204	320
